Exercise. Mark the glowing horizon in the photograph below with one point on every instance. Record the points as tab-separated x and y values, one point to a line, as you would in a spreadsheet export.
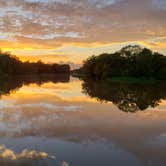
68	31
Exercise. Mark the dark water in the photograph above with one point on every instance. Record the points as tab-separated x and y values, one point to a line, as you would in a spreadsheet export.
62	121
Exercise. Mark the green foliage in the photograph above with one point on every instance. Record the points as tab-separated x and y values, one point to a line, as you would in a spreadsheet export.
10	65
131	80
130	61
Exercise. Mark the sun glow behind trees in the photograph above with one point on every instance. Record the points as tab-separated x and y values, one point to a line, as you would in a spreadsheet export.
71	31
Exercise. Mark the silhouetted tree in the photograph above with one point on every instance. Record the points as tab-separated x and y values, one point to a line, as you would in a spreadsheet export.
11	65
130	61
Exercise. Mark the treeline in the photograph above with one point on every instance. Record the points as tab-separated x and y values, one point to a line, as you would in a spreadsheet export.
11	65
130	61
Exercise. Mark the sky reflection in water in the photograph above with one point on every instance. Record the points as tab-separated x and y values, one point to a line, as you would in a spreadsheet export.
57	118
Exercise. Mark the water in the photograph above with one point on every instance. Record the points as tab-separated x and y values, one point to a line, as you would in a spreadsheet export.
69	122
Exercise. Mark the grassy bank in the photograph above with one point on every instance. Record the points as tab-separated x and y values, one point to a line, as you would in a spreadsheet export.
131	80
140	80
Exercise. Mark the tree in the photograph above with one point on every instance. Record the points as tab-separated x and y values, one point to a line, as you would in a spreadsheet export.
11	65
130	61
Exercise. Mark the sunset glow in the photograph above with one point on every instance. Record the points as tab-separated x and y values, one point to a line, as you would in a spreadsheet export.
69	31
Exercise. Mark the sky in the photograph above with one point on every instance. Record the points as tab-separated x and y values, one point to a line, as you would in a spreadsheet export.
69	31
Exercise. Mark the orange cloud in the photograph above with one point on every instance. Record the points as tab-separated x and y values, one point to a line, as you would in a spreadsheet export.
88	27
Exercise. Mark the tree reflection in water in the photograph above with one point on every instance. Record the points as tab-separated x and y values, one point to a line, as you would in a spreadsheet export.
10	84
127	97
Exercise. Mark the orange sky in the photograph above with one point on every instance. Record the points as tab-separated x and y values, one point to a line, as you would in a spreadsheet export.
71	30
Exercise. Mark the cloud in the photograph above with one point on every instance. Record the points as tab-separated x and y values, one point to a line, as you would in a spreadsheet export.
10	155
53	24
64	163
14	106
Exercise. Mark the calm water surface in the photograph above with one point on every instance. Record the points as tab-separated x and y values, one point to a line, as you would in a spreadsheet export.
61	122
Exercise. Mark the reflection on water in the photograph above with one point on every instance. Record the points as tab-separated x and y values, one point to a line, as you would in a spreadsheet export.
8	85
53	116
26	157
128	97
